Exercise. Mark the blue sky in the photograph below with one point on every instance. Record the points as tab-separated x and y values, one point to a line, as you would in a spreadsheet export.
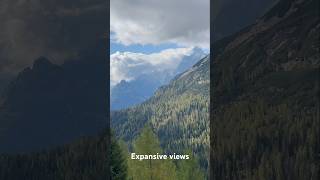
138	48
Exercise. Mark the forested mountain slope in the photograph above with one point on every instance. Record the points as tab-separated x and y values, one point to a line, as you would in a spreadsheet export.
265	82
177	112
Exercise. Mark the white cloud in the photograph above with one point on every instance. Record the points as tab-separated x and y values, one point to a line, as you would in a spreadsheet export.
184	22
128	66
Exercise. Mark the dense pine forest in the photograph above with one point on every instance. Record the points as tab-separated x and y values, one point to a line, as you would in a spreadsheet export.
82	160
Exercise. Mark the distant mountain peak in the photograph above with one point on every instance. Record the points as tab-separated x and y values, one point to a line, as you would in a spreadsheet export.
128	93
49	105
197	49
42	62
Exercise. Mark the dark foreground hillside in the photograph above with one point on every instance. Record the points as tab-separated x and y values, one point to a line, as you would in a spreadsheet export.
265	110
52	118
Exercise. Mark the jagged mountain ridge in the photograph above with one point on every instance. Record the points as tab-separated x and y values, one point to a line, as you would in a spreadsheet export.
50	105
129	93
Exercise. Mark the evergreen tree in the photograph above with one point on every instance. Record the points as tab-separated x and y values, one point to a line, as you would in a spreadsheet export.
118	161
189	169
148	143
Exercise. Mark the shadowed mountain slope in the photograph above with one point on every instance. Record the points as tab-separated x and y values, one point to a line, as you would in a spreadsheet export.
265	110
49	105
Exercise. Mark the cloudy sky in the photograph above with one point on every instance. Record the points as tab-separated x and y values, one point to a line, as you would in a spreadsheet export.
50	28
129	65
154	33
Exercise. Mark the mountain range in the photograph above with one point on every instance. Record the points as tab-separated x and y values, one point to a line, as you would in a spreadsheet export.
48	105
178	112
129	93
